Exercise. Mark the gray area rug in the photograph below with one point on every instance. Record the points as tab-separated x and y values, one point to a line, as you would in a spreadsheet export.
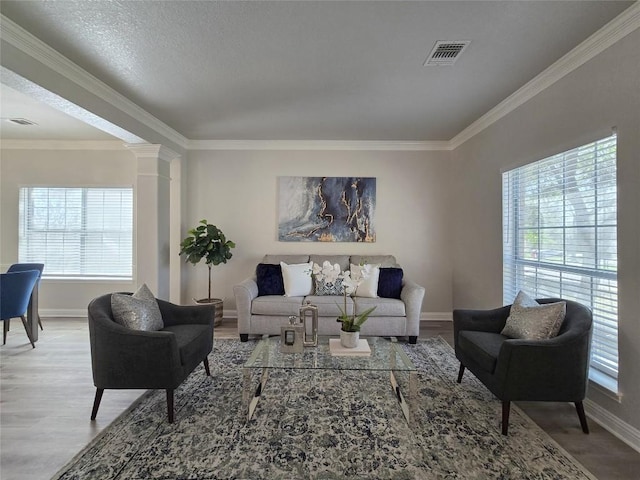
323	425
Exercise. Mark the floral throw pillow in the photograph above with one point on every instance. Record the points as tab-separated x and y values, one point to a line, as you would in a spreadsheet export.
328	279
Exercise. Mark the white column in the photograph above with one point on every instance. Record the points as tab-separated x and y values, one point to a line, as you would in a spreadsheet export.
152	217
175	215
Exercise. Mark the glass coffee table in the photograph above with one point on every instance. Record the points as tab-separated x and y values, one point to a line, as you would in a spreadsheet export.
386	356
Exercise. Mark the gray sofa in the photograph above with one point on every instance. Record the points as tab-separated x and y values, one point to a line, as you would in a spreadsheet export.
259	315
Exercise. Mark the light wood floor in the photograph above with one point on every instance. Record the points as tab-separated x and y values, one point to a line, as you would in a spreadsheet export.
47	394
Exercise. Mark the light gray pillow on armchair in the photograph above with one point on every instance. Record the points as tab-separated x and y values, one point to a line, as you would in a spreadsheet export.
139	311
530	320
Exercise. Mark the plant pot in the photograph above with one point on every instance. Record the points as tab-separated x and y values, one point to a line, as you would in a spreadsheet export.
349	339
217	318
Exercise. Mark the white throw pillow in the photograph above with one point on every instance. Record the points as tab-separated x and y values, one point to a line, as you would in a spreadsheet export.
530	320
297	279
366	276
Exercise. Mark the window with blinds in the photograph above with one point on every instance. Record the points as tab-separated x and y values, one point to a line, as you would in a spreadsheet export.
77	232
560	240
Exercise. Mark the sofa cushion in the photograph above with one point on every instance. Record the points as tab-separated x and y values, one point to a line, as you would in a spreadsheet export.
385	307
390	282
276	305
297	279
483	347
269	279
192	341
342	260
531	321
290	259
382	260
330	305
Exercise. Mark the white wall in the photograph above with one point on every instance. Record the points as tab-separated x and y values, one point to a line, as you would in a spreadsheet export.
237	191
59	168
583	106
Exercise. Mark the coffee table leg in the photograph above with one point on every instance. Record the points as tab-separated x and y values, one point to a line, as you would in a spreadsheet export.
406	404
250	404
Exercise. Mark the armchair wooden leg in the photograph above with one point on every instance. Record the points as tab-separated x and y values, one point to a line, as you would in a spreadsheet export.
26	329
5	330
96	402
206	366
170	404
506	407
460	373
582	417
244	337
413	339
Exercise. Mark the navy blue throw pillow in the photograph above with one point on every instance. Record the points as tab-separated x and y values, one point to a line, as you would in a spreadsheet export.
269	279
390	282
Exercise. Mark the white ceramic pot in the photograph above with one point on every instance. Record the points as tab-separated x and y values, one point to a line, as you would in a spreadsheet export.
349	339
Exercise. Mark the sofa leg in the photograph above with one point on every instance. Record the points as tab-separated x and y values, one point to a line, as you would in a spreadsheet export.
206	366
506	406
582	417
170	404
460	373
413	339
96	402
244	337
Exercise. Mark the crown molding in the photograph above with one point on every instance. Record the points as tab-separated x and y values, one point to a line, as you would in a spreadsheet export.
16	36
316	145
143	150
62	145
612	32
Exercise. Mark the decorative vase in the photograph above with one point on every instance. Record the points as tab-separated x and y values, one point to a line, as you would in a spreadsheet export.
349	339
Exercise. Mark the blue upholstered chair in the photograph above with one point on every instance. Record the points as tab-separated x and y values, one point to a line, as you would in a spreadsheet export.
22	267
15	292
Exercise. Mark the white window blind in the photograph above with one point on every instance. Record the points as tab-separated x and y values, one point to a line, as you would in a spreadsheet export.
77	232
560	240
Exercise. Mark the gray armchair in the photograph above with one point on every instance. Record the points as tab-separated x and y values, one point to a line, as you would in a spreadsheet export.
551	370
123	358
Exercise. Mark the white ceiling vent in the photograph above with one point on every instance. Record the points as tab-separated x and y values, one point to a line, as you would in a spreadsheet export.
21	121
446	52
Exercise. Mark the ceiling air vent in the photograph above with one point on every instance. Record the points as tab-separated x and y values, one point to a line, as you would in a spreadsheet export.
446	52
21	121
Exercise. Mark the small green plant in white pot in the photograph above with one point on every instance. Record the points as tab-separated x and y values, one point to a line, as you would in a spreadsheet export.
206	242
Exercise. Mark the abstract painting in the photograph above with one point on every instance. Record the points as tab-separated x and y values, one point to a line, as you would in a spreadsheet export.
326	209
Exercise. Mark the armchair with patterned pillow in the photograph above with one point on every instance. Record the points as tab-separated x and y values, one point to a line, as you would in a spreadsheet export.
527	352
140	342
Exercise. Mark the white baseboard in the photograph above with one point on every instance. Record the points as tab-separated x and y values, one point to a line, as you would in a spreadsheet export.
436	317
625	432
82	312
424	316
53	312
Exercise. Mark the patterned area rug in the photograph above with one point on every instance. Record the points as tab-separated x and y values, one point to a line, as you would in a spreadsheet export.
323	425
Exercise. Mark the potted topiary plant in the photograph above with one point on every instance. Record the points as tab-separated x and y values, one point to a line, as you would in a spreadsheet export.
206	242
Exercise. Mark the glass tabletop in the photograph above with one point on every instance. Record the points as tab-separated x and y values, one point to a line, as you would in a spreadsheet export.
385	355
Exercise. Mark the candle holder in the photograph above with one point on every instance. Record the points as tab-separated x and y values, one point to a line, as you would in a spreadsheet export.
309	313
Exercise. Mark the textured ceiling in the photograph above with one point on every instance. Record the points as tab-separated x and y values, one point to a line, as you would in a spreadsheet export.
312	70
50	124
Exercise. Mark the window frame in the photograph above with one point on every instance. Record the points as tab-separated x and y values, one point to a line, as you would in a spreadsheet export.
82	233
602	369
